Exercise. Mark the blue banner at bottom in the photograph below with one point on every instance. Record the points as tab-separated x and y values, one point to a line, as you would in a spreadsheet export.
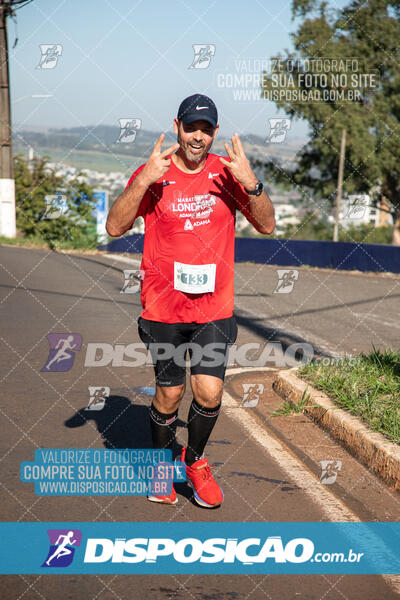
210	548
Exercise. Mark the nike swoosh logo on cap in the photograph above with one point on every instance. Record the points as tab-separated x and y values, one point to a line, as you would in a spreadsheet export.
201	107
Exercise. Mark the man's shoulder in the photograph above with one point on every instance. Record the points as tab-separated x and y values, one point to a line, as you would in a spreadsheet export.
138	169
134	175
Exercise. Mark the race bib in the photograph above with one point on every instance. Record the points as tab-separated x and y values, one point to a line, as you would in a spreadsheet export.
194	279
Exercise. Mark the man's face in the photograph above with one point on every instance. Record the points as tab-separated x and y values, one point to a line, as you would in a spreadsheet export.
195	139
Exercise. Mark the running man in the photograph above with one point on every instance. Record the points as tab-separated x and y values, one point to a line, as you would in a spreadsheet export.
62	549
188	198
62	346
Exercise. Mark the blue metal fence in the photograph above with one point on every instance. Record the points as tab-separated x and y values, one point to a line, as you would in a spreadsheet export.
335	255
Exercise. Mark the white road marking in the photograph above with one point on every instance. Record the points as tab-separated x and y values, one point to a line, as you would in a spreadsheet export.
299	474
380	320
131	261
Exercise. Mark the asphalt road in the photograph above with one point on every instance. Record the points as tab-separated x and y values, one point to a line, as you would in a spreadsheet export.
43	292
335	311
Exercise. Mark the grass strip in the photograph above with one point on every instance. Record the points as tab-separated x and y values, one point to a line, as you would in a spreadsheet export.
367	386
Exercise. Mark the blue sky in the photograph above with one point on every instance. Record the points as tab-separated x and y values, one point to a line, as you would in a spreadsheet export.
130	59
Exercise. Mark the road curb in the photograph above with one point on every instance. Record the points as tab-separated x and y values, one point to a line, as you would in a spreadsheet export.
372	448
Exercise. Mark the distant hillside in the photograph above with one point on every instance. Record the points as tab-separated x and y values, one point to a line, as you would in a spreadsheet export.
96	147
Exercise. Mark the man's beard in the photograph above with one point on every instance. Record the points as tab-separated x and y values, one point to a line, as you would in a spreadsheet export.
195	158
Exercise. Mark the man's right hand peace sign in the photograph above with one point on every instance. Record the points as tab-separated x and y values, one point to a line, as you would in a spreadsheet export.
158	163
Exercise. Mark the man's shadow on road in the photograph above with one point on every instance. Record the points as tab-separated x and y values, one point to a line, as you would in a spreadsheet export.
120	423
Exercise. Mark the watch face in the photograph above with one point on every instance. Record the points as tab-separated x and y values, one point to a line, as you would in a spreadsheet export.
259	188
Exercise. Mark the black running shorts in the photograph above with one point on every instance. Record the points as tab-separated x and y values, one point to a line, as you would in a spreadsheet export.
206	343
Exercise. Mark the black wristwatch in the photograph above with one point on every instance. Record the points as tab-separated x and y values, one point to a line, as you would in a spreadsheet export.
257	190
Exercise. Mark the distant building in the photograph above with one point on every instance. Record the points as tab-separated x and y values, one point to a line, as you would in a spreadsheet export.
285	214
286	210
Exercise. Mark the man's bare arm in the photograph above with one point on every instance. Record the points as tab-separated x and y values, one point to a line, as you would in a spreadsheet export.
125	208
262	212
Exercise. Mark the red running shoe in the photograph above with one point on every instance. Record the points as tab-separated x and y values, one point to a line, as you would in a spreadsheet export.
171	499
206	490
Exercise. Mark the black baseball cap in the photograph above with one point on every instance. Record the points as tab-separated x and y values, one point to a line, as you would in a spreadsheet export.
198	107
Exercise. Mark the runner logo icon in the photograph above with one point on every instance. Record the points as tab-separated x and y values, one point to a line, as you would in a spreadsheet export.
330	469
278	130
50	55
133	277
251	394
203	54
287	279
62	351
62	547
98	396
128	130
56	206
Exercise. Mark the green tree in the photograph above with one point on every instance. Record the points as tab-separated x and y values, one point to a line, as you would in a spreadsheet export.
75	227
368	31
366	231
312	227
